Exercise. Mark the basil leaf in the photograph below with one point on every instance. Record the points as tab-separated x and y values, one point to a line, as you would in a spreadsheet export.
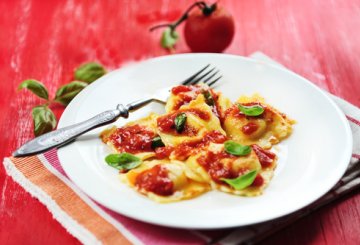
169	38
44	120
89	72
208	98
67	92
36	87
236	149
123	161
242	181
157	142
254	110
180	121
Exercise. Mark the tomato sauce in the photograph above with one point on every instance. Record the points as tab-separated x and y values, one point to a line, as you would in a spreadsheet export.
235	112
249	128
181	89
155	180
266	158
166	124
184	150
211	162
163	152
199	113
258	181
132	139
184	99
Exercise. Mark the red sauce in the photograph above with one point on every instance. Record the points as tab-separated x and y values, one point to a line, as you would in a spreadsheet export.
167	125
266	158
235	112
163	152
211	162
181	89
184	99
132	139
184	150
155	180
199	113
249	128
258	181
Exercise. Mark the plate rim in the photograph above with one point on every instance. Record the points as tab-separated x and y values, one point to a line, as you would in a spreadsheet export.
340	114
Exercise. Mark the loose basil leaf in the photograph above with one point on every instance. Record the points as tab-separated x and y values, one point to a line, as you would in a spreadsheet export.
123	161
67	92
180	121
208	98
89	72
44	120
169	38
242	181
36	87
156	142
236	149
254	110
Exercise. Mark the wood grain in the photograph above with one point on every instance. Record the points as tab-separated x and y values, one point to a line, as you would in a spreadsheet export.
46	40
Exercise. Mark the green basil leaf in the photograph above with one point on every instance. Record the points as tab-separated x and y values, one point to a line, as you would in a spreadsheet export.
169	38
44	120
180	121
89	72
242	181
36	87
67	92
123	161
208	98
254	110
157	142
236	149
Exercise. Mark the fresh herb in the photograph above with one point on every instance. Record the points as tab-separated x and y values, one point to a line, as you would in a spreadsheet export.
36	87
123	161
43	117
208	98
89	72
44	120
180	121
236	149
67	92
157	142
169	38
254	110
242	181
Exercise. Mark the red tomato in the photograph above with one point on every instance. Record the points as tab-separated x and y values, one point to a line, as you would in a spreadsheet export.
212	33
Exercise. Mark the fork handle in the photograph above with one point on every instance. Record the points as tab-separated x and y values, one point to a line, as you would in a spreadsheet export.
64	135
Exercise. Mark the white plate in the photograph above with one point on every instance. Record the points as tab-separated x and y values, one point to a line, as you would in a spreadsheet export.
311	161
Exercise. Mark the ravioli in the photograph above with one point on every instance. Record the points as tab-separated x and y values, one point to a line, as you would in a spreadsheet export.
214	164
164	181
265	130
135	137
200	120
183	95
185	152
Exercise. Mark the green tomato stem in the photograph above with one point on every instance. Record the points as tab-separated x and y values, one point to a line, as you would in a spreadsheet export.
207	10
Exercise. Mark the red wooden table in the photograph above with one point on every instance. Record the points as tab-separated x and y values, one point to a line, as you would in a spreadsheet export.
46	40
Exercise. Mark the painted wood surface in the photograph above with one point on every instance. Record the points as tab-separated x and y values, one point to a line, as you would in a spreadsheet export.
46	40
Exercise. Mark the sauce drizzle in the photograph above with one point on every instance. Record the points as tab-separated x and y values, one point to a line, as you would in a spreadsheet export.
156	180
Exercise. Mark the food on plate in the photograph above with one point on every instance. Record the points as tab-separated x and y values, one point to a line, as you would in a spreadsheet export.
203	142
252	121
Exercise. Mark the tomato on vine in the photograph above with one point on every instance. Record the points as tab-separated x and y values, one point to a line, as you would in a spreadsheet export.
209	28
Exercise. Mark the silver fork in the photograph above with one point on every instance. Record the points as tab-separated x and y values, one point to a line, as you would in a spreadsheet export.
67	134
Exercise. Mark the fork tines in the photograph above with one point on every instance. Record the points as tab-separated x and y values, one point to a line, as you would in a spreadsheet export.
205	75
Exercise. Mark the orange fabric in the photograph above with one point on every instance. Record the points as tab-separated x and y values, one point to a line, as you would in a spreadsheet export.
68	200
